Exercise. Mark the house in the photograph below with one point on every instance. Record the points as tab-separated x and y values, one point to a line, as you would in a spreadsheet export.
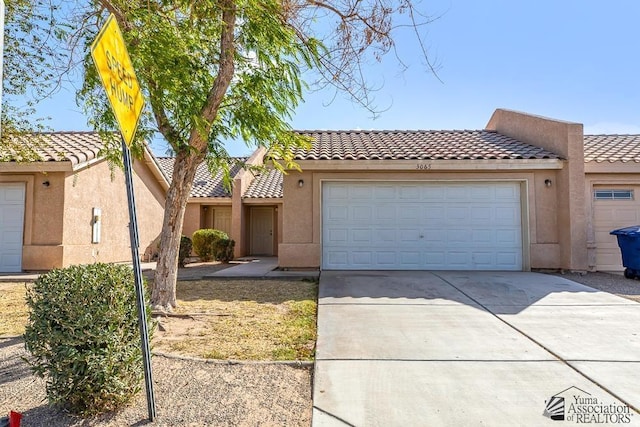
71	207
249	213
527	192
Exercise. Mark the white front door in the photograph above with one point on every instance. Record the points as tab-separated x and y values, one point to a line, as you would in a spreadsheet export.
421	226
262	231
11	227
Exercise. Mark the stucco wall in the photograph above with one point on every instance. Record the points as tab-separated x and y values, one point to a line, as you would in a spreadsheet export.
42	236
302	211
97	186
567	140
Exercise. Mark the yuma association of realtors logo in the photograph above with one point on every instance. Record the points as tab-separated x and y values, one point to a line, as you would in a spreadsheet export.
578	406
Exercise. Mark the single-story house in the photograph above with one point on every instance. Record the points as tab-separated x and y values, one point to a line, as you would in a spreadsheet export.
526	192
71	207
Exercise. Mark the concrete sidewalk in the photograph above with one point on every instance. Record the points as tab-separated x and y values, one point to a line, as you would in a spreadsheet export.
253	267
473	348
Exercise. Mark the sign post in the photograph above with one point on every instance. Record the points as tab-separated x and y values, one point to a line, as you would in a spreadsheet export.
119	80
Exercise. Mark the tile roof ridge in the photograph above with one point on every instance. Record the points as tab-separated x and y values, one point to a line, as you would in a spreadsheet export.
612	134
387	131
68	132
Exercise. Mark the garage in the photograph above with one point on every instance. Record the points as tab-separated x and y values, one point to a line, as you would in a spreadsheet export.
11	227
613	207
421	226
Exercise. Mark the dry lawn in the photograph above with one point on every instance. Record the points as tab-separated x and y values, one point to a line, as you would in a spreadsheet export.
218	319
13	309
241	320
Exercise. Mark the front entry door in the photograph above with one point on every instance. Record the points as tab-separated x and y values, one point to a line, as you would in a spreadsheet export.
262	231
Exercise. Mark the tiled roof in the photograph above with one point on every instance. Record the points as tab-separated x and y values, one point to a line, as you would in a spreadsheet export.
74	147
612	148
265	186
417	145
204	183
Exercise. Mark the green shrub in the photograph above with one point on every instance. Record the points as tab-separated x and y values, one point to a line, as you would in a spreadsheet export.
210	244
83	337
224	253
185	250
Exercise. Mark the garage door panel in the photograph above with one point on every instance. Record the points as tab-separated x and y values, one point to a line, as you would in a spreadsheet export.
432	193
384	192
12	198
422	226
385	213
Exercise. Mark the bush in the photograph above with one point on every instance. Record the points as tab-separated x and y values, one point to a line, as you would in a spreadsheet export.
210	244
84	338
225	250
185	250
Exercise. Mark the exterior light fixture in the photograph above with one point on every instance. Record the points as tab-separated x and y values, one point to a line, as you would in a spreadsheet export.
46	184
300	183
548	182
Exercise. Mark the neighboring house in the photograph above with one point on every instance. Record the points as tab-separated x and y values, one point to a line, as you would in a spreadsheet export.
249	214
71	207
525	193
612	191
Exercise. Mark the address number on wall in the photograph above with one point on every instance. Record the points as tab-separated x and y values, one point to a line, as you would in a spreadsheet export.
423	166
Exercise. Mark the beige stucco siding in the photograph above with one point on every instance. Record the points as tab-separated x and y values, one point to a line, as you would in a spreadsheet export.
99	187
302	210
567	140
42	233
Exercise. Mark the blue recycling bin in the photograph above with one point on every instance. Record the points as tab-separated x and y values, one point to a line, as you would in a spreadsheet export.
629	242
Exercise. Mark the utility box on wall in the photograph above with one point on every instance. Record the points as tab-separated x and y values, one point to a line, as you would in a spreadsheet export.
96	225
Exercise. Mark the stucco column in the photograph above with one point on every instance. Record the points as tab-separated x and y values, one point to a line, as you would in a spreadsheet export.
567	140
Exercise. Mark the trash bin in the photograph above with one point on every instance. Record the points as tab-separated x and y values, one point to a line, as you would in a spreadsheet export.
629	242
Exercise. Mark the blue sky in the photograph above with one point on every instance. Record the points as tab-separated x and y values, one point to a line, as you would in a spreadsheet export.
566	59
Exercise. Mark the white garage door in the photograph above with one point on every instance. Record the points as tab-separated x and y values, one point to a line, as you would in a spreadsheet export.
421	226
613	207
11	223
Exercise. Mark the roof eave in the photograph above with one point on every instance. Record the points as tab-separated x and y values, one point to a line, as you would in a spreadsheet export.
261	200
612	167
64	166
210	200
431	165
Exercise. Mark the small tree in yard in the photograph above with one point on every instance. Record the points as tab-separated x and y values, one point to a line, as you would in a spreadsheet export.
216	70
83	337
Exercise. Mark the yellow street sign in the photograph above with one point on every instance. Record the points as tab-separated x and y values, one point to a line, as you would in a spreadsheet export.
118	77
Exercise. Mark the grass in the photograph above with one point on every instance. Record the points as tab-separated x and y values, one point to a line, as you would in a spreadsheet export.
230	319
243	320
14	314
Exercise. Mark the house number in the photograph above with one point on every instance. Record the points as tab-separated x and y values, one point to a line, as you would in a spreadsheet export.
423	167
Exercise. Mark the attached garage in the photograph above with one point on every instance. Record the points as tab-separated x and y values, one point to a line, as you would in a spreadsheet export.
422	225
11	226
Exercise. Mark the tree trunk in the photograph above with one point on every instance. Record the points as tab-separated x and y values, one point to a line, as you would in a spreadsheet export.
163	295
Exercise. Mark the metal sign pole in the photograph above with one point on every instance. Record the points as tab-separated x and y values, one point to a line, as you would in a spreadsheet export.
137	271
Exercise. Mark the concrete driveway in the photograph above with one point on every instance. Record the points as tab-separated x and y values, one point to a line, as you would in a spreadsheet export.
473	348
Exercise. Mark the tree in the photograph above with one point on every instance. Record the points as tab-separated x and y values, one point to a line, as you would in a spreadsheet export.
33	68
216	70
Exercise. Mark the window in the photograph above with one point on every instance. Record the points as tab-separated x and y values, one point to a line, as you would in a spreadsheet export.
613	194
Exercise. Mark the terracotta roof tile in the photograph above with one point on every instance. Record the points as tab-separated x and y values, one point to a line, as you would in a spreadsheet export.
267	185
204	183
417	145
612	148
74	147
